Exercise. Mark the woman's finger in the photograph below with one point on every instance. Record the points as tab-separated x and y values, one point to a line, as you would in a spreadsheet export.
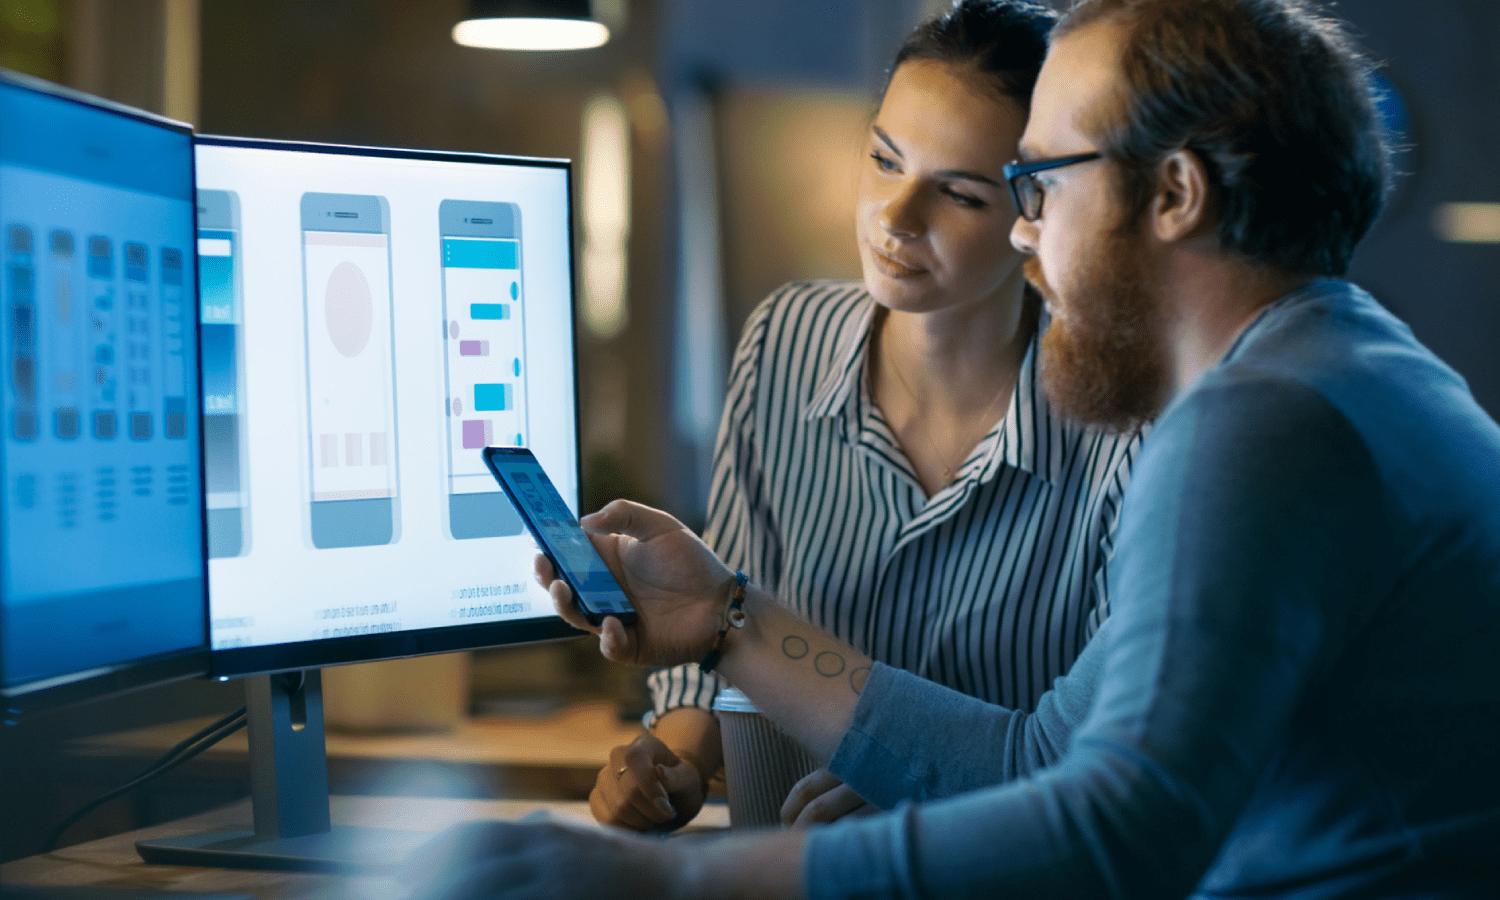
809	788
829	807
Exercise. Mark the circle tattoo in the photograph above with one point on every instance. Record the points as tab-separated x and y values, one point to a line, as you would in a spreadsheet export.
857	679
828	664
794	647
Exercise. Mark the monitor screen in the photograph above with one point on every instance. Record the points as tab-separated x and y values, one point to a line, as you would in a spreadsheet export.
372	319
102	572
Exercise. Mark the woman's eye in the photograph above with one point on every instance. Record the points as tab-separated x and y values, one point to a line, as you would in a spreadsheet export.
882	163
967	200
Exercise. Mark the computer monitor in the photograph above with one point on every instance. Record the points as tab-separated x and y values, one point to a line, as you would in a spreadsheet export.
372	319
102	569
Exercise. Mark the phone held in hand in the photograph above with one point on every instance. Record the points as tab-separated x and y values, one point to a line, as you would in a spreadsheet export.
560	537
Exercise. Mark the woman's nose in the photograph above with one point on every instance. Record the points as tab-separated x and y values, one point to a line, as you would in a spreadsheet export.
901	216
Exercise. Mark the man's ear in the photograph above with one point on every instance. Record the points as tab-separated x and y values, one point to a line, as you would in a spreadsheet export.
1183	207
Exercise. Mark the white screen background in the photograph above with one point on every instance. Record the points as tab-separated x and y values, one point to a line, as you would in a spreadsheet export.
285	590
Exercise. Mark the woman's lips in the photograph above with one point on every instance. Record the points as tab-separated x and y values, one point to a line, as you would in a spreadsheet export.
892	267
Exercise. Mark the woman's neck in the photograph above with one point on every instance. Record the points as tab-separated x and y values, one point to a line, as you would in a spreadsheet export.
957	360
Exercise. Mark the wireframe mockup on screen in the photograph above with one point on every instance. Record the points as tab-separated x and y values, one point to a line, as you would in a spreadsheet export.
372	320
102	571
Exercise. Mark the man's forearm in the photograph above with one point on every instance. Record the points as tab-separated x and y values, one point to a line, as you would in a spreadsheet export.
803	678
764	866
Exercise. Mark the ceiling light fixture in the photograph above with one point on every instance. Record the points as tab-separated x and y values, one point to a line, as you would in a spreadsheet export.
530	25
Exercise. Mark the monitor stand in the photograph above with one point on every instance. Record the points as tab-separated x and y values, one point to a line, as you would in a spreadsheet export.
289	794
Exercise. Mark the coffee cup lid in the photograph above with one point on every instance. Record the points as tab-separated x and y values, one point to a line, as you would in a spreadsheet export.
734	700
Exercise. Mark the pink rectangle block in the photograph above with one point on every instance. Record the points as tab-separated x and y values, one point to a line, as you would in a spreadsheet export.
477	433
473	348
328	450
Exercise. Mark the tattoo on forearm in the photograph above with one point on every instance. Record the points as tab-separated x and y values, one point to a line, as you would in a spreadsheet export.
829	664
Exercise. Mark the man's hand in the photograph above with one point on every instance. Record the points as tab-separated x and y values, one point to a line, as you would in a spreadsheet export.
647	787
678	586
822	797
496	860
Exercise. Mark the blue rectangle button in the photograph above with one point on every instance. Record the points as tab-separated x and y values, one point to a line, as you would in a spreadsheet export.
493	397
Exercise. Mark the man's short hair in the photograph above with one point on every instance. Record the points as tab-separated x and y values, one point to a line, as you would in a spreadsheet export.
1277	103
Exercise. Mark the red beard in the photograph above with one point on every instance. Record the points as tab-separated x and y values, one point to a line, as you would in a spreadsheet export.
1104	359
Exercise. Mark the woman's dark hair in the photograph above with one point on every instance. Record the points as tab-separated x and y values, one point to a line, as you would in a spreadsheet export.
1276	101
1004	40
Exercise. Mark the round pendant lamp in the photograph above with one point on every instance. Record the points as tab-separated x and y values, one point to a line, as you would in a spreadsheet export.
530	25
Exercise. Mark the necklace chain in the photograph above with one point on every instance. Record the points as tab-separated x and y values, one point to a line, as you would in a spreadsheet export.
937	452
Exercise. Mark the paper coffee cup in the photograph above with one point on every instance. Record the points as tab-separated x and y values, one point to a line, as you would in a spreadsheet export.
761	763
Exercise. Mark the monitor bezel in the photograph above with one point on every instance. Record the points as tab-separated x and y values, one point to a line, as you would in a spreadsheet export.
27	698
236	662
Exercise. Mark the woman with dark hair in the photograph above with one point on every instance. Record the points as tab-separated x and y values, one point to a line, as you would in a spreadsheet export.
887	465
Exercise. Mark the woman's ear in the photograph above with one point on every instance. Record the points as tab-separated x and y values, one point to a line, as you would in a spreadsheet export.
1183	206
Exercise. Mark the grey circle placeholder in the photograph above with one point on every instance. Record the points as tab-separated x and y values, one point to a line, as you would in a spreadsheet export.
346	304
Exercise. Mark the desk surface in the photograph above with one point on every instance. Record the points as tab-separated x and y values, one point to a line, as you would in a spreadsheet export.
112	861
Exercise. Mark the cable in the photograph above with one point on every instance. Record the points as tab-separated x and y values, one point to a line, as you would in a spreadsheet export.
184	751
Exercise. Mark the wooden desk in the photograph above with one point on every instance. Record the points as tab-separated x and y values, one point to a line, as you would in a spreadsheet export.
112	861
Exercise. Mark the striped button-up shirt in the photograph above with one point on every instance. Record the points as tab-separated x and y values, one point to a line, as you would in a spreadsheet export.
991	586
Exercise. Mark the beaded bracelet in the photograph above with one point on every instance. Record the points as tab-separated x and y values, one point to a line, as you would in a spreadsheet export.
733	616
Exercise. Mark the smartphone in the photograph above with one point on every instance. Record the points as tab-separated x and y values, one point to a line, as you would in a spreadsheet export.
560	537
351	370
220	310
484	359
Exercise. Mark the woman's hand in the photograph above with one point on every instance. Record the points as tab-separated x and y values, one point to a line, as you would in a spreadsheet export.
678	586
647	787
822	797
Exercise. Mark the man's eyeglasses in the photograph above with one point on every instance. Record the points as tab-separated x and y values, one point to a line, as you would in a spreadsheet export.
1027	191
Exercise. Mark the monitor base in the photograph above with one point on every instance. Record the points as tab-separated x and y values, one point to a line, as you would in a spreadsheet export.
344	849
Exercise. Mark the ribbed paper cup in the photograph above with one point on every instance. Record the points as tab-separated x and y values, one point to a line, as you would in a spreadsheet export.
761	763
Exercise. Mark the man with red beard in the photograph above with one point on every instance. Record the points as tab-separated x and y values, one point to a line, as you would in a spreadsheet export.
1298	692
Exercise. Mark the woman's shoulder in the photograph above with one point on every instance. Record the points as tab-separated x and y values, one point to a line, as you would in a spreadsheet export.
800	309
802	334
799	299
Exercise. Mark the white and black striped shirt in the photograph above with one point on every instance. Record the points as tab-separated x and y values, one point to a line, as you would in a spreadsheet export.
992	586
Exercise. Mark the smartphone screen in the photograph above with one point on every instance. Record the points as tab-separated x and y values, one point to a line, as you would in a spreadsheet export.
484	359
220	311
559	535
351	370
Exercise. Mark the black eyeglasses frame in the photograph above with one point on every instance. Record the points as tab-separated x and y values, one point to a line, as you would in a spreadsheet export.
1016	171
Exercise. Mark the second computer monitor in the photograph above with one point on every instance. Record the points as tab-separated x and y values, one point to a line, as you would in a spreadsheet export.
101	519
372	319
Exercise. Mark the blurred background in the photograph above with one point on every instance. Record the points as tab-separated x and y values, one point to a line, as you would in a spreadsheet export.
715	143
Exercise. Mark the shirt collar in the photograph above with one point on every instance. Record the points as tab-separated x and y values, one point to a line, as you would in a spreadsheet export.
840	386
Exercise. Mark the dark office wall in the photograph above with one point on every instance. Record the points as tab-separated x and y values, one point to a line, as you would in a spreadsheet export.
1443	56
